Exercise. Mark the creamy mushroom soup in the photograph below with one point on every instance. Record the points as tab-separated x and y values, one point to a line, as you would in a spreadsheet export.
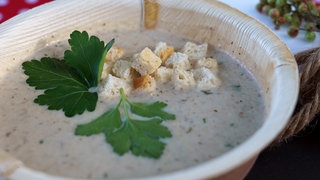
208	122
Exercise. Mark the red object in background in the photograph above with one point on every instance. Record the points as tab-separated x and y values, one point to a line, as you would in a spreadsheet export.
10	8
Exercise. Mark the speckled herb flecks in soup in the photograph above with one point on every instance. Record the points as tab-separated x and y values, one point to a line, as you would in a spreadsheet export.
213	101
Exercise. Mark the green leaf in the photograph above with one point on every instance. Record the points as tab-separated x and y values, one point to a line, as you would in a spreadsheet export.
152	128
49	73
106	123
152	110
70	84
102	57
141	137
120	140
71	99
66	90
86	55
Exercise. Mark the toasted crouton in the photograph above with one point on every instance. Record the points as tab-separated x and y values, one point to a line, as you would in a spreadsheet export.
178	61
195	51
182	79
146	62
209	63
111	85
206	79
146	83
122	69
114	53
163	74
106	70
163	51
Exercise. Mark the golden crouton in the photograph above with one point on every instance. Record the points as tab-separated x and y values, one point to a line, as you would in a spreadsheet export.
110	86
209	63
107	68
178	61
146	62
206	79
182	79
142	82
195	51
114	53
163	74
122	69
163	51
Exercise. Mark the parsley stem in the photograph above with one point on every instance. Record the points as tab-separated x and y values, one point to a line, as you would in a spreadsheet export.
119	103
124	101
123	96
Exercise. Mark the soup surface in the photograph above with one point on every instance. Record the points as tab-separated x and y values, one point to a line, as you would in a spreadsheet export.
206	126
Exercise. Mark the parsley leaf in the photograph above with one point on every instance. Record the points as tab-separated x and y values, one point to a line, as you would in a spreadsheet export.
71	99
50	72
100	125
87	56
141	137
69	84
151	110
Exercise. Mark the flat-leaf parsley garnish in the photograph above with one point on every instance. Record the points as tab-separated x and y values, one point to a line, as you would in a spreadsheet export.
124	133
70	84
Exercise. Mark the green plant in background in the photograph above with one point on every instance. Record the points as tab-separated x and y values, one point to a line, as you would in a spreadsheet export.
297	14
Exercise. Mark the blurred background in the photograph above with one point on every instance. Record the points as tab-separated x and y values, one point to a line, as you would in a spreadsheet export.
10	8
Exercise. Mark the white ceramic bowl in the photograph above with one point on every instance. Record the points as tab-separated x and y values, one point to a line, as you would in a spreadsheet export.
268	59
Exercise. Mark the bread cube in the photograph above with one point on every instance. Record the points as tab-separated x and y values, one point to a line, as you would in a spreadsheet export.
146	62
145	83
209	63
163	74
182	79
114	53
206	79
195	51
122	69
163	51
107	67
110	87
178	61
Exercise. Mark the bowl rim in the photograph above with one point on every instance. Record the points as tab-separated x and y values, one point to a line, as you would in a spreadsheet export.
217	166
